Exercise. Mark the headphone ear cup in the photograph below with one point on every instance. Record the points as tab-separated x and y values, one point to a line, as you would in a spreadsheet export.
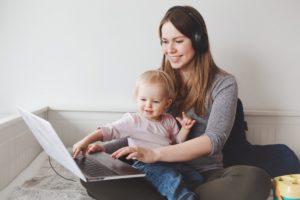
199	43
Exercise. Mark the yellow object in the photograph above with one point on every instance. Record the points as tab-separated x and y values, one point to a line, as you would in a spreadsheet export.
287	187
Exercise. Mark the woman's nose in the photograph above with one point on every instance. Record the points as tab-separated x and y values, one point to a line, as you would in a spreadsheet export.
171	47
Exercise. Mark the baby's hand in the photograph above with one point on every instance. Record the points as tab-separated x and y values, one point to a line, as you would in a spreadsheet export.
93	148
84	147
186	122
80	146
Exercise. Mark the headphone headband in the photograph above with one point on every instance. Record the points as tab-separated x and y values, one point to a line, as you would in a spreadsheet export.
199	41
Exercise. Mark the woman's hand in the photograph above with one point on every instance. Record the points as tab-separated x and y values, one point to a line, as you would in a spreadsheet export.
137	153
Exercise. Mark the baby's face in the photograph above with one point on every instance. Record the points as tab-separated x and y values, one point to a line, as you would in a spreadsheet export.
152	101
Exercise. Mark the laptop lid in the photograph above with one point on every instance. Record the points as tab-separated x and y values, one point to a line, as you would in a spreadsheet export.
54	147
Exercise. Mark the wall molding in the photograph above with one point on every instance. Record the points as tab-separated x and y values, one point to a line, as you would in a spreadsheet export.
272	113
72	125
264	127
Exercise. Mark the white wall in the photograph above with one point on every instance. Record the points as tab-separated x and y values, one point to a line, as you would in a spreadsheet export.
89	53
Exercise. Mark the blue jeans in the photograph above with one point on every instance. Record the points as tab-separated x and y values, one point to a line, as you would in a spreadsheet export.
173	180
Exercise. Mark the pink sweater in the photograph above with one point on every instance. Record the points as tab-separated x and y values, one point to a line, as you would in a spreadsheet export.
142	131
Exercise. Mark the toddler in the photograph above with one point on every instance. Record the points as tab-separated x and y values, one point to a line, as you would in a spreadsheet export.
152	127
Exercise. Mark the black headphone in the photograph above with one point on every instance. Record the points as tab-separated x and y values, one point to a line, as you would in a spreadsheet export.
198	37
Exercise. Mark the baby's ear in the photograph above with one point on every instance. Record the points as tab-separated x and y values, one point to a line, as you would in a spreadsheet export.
170	101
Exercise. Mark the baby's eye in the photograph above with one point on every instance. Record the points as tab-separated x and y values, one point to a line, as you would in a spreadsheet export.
156	101
143	99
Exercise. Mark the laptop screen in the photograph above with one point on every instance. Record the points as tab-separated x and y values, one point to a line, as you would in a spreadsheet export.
51	143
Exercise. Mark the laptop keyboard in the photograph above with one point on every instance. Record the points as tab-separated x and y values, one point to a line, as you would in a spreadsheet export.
93	168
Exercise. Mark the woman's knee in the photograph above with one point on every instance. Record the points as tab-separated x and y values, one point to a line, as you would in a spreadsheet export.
235	183
252	175
251	180
132	188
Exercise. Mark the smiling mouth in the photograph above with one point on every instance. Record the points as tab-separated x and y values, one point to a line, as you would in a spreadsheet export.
148	111
174	58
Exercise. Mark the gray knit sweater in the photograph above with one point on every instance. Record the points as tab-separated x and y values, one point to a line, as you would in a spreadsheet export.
217	123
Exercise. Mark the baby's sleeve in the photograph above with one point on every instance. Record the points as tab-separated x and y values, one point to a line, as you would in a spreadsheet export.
172	129
118	129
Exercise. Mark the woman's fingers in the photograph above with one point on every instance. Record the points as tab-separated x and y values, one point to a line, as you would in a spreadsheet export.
133	156
123	152
136	153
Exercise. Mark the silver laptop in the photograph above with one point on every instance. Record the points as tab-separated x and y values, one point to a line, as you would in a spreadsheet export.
94	167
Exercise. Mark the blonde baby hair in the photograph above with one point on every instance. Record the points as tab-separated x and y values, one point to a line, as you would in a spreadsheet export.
157	77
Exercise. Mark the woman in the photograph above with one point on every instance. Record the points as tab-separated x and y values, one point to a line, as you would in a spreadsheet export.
209	95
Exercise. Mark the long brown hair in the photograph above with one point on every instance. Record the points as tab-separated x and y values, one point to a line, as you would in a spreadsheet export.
197	91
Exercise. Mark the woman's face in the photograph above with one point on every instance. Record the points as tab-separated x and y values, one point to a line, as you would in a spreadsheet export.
178	48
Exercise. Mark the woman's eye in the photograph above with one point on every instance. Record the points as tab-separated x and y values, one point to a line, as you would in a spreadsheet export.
164	42
179	41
